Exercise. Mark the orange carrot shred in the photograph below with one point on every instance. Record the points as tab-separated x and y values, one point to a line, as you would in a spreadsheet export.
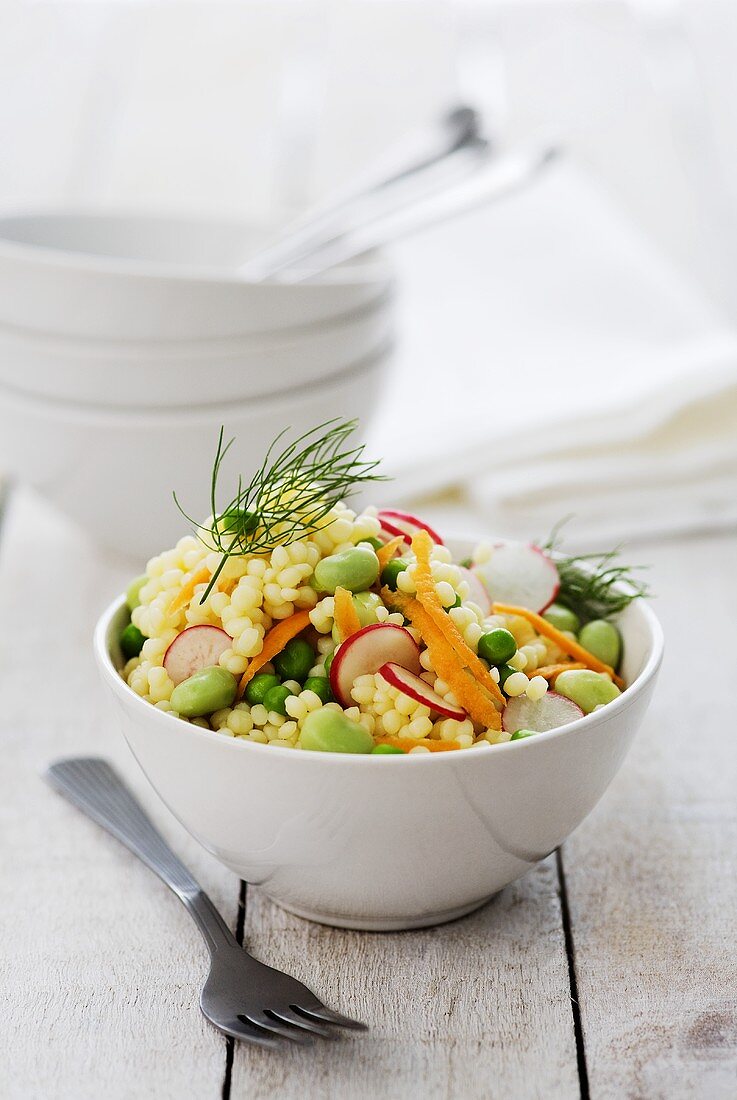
408	743
274	643
428	597
446	663
568	645
346	616
552	672
186	592
388	551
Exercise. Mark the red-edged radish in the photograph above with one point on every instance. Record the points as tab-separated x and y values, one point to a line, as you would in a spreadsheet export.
417	689
517	573
366	651
478	594
405	524
195	648
548	713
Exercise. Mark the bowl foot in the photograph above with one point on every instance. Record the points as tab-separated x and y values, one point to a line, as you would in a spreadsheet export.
382	924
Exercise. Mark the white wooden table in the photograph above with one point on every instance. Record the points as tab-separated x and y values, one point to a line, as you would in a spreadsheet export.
608	971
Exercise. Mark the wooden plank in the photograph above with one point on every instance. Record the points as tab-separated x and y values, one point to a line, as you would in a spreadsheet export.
652	876
477	1008
101	965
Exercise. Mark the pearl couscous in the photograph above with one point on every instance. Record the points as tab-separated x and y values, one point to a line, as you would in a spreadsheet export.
359	633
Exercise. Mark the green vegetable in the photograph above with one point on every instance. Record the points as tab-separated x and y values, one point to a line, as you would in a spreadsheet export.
317	469
376	543
295	660
458	602
133	593
328	662
391	571
519	734
498	646
603	640
131	641
387	750
585	688
366	605
355	569
330	731
590	583
208	690
321	686
276	697
258	686
505	671
562	618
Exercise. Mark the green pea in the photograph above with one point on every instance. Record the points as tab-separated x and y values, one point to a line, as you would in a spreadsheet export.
458	602
376	543
327	730
391	571
276	698
603	640
258	686
585	688
498	646
355	569
562	618
131	641
505	671
133	592
295	660
519	734
328	662
387	750
321	686
208	690
238	520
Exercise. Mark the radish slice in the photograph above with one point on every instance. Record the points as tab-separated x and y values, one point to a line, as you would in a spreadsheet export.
366	651
520	574
417	689
405	524
478	595
548	713
195	648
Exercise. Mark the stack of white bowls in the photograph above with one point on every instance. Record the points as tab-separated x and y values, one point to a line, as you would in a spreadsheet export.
126	342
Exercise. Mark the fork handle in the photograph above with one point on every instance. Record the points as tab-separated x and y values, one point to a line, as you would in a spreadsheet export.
94	788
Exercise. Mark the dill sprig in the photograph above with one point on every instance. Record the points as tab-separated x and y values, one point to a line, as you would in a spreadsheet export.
290	495
595	586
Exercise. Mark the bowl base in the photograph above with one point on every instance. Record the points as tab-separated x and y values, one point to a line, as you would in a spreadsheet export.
382	924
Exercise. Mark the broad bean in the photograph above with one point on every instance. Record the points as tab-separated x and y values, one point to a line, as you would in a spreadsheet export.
355	569
603	640
328	730
586	689
208	690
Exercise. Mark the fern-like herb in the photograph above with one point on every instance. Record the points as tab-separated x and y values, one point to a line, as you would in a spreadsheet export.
595	586
289	497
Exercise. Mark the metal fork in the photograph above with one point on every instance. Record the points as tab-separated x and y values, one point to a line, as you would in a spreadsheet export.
242	997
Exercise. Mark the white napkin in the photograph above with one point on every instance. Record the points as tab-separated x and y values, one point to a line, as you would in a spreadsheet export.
552	362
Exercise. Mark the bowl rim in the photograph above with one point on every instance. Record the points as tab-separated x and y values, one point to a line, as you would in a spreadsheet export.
371	267
115	681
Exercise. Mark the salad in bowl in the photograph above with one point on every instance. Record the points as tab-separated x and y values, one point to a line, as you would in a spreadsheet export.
379	725
288	619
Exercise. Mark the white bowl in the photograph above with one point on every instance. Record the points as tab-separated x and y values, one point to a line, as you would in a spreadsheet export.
139	277
384	842
180	373
114	471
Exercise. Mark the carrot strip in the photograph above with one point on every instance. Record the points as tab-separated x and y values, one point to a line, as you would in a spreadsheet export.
388	551
568	645
274	643
346	616
408	743
186	592
446	663
551	672
428	597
